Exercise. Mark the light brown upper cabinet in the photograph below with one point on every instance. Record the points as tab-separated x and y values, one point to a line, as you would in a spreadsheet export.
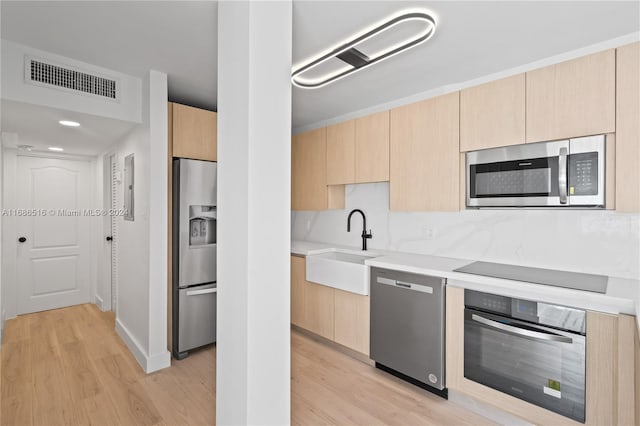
628	129
425	155
308	170
195	133
372	148
341	153
358	150
492	114
573	98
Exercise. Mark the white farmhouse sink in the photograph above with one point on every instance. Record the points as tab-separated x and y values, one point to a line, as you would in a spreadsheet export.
341	269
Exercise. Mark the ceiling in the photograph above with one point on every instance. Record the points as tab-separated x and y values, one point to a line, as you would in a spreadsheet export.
38	126
132	37
473	39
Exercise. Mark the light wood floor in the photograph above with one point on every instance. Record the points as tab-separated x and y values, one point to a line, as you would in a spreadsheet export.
69	367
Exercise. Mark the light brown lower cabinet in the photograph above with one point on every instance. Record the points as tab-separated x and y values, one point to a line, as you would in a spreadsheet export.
311	304
351	320
319	312
336	315
298	284
610	388
637	393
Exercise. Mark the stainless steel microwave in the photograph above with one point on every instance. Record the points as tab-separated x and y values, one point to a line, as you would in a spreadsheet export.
564	173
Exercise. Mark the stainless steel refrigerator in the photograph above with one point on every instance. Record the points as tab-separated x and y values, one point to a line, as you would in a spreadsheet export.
194	255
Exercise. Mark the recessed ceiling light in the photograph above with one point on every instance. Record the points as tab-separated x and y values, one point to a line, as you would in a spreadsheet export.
69	123
396	34
56	148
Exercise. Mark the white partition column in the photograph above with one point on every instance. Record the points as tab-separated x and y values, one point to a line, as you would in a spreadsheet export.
254	167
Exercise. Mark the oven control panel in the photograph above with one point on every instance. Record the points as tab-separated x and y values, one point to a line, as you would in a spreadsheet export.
488	302
556	316
502	305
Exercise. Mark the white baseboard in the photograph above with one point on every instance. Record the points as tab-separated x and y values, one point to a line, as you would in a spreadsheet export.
148	364
100	303
158	361
133	345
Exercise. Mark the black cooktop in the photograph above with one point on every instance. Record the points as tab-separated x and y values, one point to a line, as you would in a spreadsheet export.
572	280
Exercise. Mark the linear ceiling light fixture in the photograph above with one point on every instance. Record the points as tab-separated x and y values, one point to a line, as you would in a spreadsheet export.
369	47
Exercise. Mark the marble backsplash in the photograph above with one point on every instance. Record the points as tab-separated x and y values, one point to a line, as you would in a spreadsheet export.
592	241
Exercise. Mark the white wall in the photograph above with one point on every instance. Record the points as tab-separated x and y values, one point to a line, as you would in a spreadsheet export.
158	356
101	292
2	311
97	237
601	242
9	254
142	256
132	317
254	153
15	88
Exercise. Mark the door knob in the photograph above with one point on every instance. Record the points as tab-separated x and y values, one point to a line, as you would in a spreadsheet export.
22	239
109	238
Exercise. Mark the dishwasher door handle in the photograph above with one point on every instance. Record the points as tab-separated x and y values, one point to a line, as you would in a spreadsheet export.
405	285
520	331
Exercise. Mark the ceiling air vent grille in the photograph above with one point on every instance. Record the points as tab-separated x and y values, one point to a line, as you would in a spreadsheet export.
42	72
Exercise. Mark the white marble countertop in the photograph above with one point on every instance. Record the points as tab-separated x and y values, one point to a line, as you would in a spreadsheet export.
622	296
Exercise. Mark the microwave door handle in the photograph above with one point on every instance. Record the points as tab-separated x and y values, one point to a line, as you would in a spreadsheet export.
520	331
562	175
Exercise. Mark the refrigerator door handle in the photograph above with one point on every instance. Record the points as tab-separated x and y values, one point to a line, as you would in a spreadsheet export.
198	292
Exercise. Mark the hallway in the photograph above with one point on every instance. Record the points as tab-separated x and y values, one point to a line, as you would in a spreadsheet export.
69	367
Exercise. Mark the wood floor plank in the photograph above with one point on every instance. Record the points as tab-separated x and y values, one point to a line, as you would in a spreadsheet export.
121	382
52	401
201	367
16	410
16	372
337	389
44	342
66	326
101	339
68	366
80	373
15	389
180	401
101	411
16	329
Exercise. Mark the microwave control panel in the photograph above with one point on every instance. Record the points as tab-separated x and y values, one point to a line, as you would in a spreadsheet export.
583	173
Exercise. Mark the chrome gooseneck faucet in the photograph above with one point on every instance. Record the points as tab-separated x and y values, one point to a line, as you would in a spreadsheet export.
365	235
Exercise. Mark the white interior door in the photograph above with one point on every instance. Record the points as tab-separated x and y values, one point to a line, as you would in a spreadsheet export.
53	260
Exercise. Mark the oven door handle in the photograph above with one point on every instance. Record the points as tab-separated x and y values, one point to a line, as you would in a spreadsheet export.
521	331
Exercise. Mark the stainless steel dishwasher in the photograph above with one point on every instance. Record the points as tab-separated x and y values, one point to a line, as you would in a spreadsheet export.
407	327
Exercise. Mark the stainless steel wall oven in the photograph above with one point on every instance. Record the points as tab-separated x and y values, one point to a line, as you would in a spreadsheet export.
530	350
